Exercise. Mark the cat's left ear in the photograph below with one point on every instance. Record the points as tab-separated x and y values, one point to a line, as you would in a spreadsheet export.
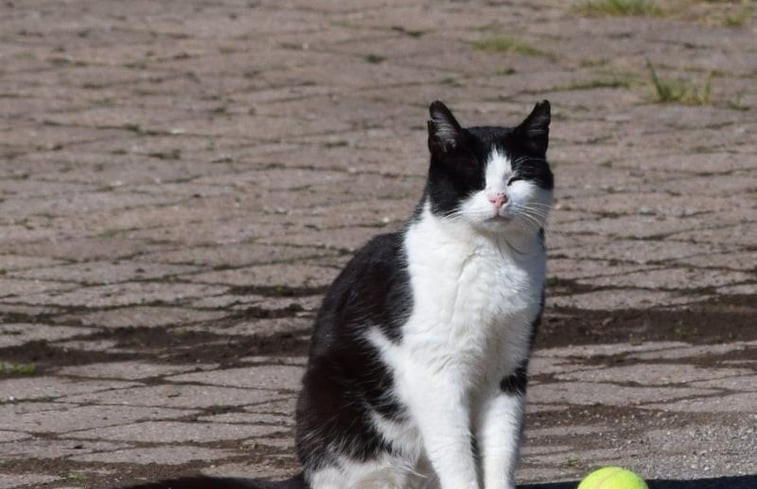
534	130
444	132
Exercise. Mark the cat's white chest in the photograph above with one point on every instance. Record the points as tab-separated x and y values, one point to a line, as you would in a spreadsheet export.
474	300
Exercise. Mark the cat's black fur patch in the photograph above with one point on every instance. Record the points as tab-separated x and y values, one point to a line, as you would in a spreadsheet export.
516	382
345	379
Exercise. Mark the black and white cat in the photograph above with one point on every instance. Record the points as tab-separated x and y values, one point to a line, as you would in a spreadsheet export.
418	363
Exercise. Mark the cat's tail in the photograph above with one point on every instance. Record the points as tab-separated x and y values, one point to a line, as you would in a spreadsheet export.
202	482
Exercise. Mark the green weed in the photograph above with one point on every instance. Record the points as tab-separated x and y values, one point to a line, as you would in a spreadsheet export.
573	463
509	45
18	368
609	82
737	104
74	476
407	32
618	8
683	330
505	71
742	17
374	58
668	90
172	154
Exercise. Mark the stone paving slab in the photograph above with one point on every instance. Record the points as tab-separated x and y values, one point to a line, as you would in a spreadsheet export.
274	377
6	436
176	396
651	374
731	403
16	334
154	455
11	481
169	431
45	450
144	316
133	370
609	394
83	417
47	387
180	181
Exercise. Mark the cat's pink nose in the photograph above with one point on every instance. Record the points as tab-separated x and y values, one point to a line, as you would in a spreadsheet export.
498	199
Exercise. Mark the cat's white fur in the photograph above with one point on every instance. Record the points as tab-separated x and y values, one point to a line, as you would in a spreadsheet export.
477	279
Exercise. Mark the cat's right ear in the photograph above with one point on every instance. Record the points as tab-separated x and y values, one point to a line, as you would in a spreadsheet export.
535	129
444	132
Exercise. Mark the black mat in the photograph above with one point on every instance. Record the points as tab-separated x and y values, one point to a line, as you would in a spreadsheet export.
737	482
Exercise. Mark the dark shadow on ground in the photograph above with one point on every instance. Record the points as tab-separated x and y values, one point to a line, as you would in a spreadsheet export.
737	482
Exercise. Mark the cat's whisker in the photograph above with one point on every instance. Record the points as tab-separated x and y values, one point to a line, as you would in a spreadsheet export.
534	206
531	220
532	210
541	216
535	217
541	210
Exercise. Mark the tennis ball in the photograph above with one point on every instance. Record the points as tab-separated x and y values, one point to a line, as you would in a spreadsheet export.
612	478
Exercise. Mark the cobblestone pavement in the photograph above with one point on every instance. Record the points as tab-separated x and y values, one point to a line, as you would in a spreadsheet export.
180	180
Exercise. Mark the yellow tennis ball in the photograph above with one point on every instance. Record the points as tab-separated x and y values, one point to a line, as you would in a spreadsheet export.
612	478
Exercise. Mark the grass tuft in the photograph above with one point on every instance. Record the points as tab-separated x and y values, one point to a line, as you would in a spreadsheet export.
680	91
74	476
608	82
173	154
18	368
505	71
737	104
618	8
374	58
573	463
407	32
509	45
742	17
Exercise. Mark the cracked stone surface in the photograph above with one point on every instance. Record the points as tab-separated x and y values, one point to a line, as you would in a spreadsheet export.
179	181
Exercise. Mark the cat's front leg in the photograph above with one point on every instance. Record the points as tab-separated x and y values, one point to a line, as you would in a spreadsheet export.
438	404
498	431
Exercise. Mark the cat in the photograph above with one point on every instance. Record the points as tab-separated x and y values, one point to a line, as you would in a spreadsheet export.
417	369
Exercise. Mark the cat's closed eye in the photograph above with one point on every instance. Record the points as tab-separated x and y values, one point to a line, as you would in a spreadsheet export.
514	179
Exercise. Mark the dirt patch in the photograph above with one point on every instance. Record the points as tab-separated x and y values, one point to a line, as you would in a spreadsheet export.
160	345
724	319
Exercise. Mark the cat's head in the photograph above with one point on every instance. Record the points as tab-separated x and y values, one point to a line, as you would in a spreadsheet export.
496	179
